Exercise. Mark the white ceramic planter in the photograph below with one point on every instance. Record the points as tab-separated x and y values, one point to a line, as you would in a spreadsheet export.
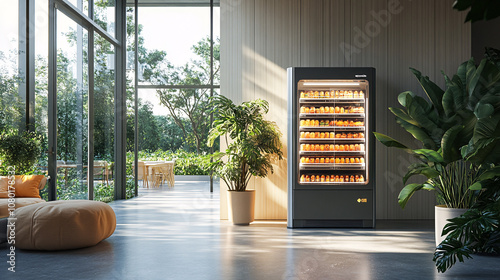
241	207
442	214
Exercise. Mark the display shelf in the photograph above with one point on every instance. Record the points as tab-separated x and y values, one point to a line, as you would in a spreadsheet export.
333	140
339	128
332	115
332	152
330	100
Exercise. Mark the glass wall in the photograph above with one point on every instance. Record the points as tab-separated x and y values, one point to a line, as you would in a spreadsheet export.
176	81
41	83
12	97
72	109
104	119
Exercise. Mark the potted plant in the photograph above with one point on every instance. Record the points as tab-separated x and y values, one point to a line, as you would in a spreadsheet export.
459	129
252	144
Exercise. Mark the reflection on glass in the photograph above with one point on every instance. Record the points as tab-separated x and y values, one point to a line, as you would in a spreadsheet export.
104	119
130	173
11	102
104	15
82	5
41	85
72	108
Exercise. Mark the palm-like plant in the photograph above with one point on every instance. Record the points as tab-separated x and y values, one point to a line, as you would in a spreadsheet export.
459	129
252	145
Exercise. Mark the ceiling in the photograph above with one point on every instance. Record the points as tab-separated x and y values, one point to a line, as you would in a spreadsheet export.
178	3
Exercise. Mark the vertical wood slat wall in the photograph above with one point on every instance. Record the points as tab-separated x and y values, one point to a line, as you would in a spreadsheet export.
260	39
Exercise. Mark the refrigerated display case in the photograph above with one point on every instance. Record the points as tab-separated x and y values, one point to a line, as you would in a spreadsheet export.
330	147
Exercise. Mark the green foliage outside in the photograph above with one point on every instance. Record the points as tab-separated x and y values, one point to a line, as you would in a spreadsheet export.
185	130
18	150
185	163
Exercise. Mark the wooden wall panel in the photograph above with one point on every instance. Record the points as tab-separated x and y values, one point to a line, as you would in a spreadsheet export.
260	39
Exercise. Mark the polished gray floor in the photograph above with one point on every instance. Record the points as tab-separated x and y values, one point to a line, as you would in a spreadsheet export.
176	234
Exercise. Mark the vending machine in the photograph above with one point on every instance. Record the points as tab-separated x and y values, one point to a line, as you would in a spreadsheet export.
331	117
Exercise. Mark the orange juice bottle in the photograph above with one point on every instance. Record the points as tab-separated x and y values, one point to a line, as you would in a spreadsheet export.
316	160
332	148
327	94
308	179
302	178
322	178
316	147
361	179
302	94
316	123
321	94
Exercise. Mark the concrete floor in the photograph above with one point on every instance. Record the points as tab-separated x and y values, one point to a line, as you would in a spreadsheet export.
176	234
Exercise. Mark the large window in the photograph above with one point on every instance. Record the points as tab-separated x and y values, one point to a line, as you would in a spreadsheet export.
98	105
178	72
12	70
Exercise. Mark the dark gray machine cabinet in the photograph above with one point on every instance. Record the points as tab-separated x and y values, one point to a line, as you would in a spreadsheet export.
331	118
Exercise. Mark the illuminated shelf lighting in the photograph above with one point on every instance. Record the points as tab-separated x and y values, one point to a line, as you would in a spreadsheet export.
330	84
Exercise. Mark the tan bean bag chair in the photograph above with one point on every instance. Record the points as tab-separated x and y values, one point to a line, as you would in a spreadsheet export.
62	225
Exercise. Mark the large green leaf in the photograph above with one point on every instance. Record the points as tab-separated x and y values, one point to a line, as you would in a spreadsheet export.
404	97
408	191
421	111
485	80
420	169
418	133
483	110
449	144
490	173
429	155
433	91
454	99
388	141
460	78
400	113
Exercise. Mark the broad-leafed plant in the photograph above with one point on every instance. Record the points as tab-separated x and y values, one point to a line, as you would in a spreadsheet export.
459	129
252	142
